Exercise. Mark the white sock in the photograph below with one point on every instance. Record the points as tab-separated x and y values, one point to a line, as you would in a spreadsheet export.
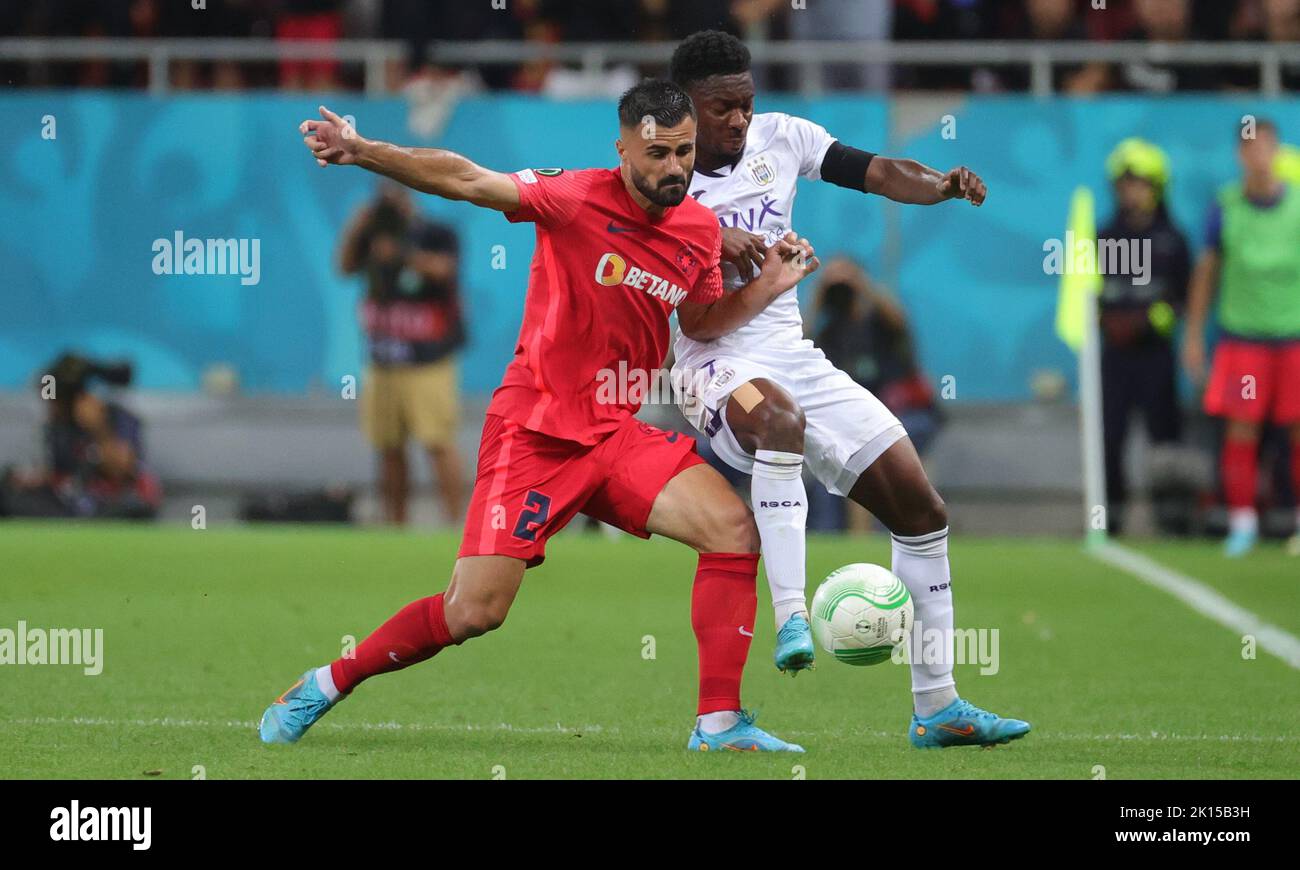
1243	520
716	723
921	562
926	704
325	682
780	505
786	609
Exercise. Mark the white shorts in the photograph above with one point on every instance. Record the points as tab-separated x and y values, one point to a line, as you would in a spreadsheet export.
847	427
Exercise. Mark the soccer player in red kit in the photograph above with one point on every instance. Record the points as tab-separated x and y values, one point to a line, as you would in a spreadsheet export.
617	252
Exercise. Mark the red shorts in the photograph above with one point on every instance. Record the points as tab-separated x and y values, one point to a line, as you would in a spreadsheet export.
530	485
1255	381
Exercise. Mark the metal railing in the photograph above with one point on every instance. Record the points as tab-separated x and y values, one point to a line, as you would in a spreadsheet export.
808	58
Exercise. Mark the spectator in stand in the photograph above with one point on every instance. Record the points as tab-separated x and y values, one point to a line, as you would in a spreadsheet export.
139	19
864	332
940	20
1138	367
1053	20
55	18
226	19
538	27
622	20
1274	21
681	18
312	21
237	19
1281	20
419	22
1168	21
864	20
1252	257
412	317
94	450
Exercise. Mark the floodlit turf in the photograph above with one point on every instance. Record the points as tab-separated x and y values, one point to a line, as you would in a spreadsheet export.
1268	582
594	673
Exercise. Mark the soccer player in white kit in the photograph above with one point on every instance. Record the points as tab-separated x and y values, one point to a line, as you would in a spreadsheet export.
769	400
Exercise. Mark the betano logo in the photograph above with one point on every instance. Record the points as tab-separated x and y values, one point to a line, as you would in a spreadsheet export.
613	270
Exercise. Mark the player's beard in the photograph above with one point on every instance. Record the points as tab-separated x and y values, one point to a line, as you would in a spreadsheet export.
665	194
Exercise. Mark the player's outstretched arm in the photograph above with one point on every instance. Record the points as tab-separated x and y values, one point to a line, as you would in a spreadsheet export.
913	183
333	140
785	264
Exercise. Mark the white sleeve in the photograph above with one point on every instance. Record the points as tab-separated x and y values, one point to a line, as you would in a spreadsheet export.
810	142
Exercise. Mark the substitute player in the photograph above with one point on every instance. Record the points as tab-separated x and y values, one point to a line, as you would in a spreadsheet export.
769	400
617	252
1253	254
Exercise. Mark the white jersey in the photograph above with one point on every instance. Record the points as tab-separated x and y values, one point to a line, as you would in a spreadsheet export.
846	427
757	195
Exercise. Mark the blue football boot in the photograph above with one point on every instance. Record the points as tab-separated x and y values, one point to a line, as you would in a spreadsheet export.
961	723
744	736
1239	543
794	646
286	720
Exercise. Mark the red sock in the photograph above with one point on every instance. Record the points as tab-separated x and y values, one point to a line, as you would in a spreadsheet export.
415	633
1240	469
723	604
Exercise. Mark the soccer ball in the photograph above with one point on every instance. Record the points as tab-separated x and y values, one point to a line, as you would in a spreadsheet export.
860	613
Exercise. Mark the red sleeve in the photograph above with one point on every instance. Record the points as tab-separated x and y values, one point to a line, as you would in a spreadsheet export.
708	288
549	197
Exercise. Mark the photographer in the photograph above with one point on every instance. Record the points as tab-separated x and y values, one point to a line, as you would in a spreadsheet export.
864	332
93	447
411	315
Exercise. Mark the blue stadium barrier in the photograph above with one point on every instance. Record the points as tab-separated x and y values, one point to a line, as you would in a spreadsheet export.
81	216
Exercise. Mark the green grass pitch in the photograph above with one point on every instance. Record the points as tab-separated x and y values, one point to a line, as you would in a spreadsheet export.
593	675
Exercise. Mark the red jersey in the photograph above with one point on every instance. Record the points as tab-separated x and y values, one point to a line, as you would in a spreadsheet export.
605	277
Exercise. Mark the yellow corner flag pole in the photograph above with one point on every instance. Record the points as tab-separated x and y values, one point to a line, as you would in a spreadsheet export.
1076	324
1079	277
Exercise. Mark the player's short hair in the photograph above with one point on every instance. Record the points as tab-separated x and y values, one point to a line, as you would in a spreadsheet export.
662	100
706	54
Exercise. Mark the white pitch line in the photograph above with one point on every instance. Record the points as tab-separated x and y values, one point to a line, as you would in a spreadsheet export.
168	722
1204	600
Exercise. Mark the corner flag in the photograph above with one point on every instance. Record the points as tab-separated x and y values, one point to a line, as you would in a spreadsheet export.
1079	273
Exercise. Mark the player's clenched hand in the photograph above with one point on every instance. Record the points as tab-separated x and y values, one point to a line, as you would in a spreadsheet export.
332	140
961	183
744	249
789	261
